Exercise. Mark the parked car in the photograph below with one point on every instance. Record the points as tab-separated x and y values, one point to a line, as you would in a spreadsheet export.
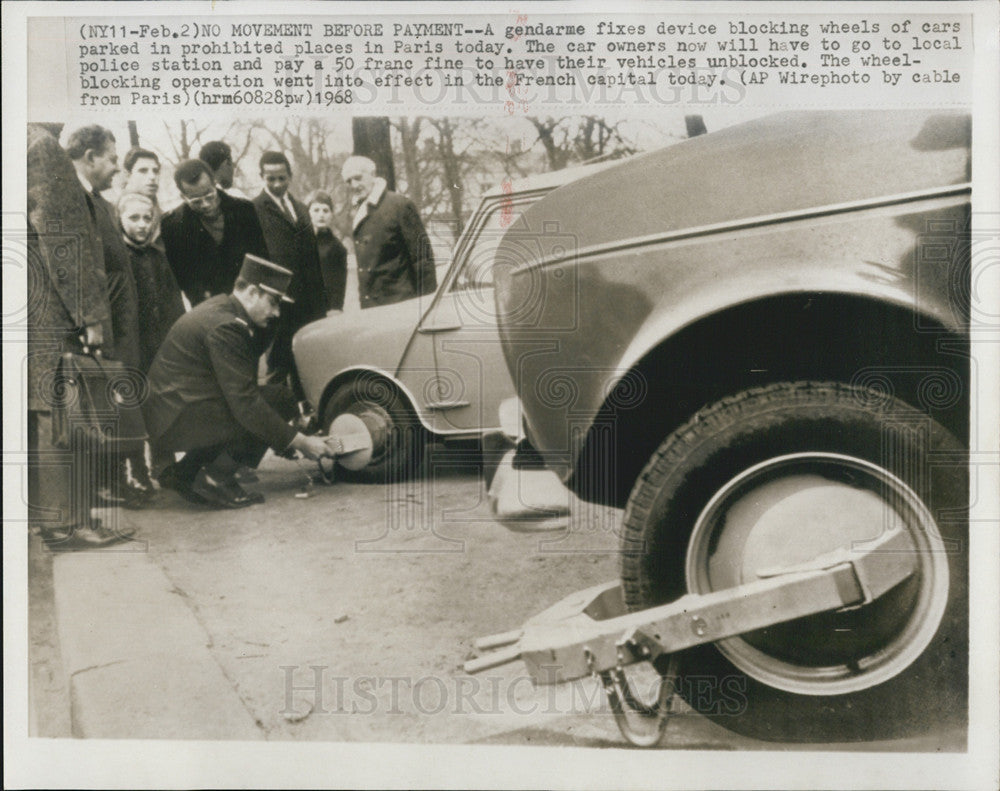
429	368
756	342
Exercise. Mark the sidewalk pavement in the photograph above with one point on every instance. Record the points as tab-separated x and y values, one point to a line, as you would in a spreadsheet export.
127	680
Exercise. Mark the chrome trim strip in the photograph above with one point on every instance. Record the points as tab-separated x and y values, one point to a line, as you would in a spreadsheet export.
453	433
750	222
441	406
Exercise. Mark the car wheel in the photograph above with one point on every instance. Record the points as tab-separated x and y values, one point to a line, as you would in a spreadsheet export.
772	478
397	438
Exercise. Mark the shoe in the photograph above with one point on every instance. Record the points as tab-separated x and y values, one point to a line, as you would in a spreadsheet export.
143	480
106	498
256	498
169	479
247	475
222	494
136	497
126	494
233	487
92	535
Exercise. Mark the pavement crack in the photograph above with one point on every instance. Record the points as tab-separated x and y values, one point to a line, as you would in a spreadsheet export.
96	667
233	683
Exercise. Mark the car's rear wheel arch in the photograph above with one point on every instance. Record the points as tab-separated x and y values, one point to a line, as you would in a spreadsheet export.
373	378
818	336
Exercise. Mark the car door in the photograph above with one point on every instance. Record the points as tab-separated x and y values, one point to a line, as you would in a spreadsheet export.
471	374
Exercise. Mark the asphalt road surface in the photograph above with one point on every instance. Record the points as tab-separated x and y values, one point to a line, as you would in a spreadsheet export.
346	615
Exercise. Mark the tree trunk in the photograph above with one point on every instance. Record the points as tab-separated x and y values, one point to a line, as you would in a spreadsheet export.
371	139
452	172
409	134
557	156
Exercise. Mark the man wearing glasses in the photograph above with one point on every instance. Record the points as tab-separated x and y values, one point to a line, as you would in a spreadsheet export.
209	234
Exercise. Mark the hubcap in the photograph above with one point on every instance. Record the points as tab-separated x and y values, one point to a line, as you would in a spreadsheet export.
791	509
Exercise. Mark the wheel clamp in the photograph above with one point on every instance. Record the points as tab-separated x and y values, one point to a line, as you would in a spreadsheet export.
590	633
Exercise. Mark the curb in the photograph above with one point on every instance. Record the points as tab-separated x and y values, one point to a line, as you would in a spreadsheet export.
137	660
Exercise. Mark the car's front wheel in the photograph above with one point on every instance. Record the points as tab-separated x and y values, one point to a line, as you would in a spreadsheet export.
397	438
773	478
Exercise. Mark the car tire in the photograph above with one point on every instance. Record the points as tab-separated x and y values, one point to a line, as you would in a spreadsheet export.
398	439
782	473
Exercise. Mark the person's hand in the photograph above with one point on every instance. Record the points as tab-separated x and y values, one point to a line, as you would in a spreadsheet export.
311	447
93	335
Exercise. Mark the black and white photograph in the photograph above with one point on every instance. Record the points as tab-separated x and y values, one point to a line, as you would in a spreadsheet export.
551	396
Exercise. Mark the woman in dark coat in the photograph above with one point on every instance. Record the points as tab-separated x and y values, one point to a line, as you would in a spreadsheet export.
332	253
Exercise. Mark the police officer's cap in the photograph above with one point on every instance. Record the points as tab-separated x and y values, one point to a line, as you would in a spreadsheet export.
266	276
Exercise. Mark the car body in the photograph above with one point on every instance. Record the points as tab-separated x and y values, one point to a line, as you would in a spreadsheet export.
756	342
679	276
440	354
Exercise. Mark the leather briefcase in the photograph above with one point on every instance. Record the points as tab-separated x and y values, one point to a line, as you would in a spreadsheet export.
100	400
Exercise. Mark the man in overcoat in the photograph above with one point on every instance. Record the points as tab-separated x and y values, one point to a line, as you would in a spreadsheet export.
204	398
291	244
67	302
208	235
394	256
93	151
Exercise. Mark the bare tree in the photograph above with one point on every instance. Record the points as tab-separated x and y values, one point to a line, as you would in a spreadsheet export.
185	139
553	137
372	140
578	139
305	142
453	164
409	136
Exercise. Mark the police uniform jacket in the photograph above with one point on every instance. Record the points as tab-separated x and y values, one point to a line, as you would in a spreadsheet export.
394	255
200	265
203	382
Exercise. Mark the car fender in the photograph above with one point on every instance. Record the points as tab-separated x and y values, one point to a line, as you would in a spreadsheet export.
367	376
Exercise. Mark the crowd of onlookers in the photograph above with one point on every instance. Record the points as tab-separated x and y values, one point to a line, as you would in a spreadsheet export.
116	276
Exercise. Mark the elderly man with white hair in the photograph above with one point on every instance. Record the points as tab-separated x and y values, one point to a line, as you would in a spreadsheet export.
395	261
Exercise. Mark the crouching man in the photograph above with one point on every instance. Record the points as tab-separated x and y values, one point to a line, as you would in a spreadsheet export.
204	398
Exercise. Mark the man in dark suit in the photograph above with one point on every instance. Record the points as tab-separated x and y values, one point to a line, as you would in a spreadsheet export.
93	151
395	261
291	244
204	398
67	303
207	237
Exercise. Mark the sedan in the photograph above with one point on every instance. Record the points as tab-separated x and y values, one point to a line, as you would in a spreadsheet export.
429	368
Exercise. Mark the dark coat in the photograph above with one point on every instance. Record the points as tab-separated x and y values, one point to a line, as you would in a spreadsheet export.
395	261
201	267
206	369
160	303
67	287
293	246
122	292
333	267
